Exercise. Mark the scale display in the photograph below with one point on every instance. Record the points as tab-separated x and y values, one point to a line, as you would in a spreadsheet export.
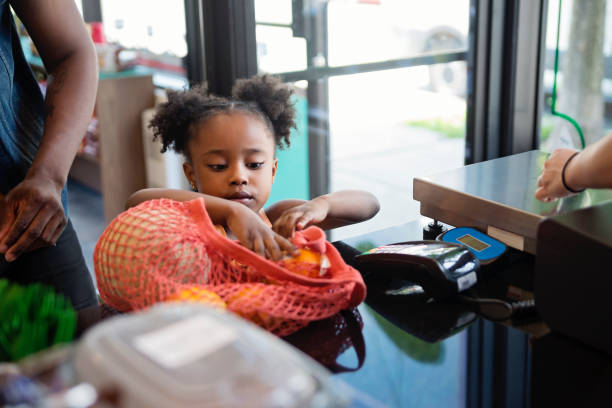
484	247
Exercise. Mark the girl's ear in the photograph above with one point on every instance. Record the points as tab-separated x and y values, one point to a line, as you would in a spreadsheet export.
191	176
274	168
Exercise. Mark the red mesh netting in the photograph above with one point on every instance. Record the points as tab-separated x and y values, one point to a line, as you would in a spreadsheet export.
161	247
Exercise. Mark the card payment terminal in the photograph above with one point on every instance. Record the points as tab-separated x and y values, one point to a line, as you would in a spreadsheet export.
484	247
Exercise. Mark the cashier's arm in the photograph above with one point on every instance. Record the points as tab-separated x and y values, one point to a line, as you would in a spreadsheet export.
591	168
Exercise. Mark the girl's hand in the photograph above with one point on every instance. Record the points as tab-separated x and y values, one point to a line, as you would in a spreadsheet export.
254	234
550	186
297	218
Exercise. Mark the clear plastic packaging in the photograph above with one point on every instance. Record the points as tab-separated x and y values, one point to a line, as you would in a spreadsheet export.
190	355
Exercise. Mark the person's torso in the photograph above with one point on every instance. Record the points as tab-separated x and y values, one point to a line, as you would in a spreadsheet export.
21	106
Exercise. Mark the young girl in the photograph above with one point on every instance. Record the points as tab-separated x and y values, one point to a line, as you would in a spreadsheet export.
229	146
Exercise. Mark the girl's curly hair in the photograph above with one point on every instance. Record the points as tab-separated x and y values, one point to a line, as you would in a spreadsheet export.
264	96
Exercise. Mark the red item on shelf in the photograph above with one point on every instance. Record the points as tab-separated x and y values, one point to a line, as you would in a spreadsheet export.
97	33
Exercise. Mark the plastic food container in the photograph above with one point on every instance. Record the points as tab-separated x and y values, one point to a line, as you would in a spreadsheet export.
190	355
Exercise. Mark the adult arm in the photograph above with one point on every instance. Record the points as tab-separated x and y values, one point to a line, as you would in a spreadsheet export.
33	209
327	211
591	168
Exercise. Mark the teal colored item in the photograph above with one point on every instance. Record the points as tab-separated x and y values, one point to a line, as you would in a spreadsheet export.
292	176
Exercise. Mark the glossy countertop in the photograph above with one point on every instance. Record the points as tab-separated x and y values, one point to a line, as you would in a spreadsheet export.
497	193
512	181
421	353
410	351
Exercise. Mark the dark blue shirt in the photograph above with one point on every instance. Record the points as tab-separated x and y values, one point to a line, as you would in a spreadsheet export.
21	108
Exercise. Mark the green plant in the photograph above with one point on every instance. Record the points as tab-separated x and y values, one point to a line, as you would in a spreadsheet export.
546	127
452	129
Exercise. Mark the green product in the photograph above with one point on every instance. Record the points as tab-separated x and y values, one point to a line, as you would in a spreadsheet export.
32	318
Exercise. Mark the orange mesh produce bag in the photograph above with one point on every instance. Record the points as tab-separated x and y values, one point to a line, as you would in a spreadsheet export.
162	247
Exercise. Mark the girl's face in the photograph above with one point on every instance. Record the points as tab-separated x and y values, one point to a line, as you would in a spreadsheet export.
232	157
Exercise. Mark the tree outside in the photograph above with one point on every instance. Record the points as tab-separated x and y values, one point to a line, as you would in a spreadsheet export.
580	93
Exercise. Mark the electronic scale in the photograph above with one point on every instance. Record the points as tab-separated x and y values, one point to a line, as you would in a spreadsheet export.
497	198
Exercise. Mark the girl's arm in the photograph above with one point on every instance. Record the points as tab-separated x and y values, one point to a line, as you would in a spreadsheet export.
327	211
244	223
219	209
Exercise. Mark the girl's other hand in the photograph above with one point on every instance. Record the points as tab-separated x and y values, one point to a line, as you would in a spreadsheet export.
301	216
254	234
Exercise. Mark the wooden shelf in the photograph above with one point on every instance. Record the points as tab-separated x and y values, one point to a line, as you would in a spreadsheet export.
86	172
120	170
88	157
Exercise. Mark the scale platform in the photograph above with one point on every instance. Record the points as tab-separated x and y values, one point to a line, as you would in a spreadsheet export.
497	197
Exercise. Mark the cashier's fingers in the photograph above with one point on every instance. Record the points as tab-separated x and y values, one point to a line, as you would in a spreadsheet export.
542	195
29	239
58	232
54	229
18	225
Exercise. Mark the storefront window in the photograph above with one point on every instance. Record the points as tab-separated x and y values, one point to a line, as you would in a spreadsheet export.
577	108
389	118
150	35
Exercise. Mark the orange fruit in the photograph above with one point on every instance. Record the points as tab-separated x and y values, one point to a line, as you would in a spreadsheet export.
308	263
251	295
197	295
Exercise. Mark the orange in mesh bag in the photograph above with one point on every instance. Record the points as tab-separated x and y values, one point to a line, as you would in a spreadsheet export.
162	247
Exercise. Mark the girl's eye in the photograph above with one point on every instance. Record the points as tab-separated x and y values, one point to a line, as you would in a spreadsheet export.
255	165
217	167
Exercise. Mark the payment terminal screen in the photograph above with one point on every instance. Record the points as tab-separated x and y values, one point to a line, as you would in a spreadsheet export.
473	243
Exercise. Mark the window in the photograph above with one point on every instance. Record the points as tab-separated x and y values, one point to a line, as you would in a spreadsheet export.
152	35
577	107
385	85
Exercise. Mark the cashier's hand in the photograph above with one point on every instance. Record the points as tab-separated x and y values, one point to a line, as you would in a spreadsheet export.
550	186
31	217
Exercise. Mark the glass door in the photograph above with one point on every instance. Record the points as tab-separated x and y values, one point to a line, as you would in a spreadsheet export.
385	85
577	91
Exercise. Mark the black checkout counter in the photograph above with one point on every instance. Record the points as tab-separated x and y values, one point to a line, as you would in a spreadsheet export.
444	354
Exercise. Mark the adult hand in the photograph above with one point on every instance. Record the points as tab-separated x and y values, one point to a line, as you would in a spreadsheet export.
550	186
254	234
301	216
31	216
